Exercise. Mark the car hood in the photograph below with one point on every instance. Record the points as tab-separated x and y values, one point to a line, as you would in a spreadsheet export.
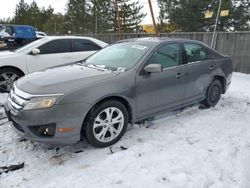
6	54
62	79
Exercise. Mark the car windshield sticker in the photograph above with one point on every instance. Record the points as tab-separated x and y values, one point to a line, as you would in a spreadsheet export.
139	47
121	69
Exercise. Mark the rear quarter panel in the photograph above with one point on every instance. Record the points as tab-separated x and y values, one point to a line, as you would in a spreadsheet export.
224	67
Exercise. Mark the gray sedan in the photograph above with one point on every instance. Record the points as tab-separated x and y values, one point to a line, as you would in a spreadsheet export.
126	82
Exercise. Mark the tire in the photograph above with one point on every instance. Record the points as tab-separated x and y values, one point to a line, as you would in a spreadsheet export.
213	94
7	77
100	128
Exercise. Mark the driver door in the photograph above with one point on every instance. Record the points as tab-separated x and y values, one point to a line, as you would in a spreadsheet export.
156	92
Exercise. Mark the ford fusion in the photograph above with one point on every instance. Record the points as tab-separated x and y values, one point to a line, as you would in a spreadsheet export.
126	82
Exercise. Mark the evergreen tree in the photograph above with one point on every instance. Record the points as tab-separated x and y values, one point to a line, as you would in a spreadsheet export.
131	15
188	15
102	12
78	17
44	16
55	25
33	15
104	15
6	21
20	14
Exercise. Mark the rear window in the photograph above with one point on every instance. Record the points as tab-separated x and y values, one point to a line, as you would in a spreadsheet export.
24	32
79	45
195	52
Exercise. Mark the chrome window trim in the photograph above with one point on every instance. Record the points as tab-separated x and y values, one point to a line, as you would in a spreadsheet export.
195	62
169	68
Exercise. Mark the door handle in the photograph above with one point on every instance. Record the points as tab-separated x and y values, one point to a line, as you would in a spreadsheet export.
212	67
179	75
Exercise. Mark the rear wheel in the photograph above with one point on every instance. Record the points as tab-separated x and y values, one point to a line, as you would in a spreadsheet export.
7	77
106	124
213	94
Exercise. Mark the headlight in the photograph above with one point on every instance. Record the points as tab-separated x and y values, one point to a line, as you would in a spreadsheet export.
40	103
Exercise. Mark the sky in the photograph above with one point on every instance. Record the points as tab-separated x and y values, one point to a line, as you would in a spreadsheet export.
7	7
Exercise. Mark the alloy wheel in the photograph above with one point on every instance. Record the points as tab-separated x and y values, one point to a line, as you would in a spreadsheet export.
108	124
215	93
6	80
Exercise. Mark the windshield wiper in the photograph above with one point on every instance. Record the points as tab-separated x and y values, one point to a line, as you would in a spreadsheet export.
98	67
93	66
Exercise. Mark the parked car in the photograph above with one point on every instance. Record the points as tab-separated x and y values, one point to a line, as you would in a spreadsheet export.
42	54
126	82
15	36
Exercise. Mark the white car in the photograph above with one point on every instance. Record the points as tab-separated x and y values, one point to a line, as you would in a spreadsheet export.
42	54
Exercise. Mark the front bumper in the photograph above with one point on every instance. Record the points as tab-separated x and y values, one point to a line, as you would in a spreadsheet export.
62	116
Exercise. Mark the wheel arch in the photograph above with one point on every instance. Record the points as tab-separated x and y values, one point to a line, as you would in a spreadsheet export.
12	67
107	98
222	79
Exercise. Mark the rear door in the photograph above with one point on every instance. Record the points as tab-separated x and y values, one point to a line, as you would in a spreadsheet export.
53	53
199	66
160	91
82	48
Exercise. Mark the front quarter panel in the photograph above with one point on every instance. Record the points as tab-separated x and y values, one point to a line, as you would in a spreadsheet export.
121	85
15	60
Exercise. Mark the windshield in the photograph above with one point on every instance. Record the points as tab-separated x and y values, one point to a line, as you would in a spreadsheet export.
30	45
5	31
120	56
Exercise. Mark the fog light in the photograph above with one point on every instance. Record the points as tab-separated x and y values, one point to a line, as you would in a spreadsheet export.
44	130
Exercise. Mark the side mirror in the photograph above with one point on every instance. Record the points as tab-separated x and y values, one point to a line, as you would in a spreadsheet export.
35	51
153	68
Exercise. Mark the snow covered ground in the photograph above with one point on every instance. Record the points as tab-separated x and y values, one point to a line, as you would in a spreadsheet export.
193	148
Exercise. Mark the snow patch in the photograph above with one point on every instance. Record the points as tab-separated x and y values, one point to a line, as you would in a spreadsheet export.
189	148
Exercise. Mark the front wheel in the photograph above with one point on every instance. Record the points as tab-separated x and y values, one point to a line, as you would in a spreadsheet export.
213	94
7	77
106	124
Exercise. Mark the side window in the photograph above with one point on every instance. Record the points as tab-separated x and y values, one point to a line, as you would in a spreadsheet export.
168	55
56	46
195	52
84	45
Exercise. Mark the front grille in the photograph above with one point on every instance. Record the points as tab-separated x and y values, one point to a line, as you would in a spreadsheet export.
15	101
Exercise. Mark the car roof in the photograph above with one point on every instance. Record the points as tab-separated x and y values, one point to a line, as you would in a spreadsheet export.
67	37
99	42
159	40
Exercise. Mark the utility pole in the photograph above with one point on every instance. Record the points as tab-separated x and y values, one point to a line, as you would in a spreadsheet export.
95	17
118	18
216	23
96	24
153	18
55	27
